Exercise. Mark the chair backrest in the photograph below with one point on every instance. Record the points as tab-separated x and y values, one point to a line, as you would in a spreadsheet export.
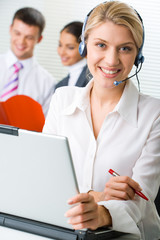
23	112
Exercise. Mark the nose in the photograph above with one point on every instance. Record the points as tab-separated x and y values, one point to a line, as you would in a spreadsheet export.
111	57
21	40
61	50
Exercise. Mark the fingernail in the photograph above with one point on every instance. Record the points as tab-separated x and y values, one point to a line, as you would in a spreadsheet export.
70	201
68	221
139	188
65	215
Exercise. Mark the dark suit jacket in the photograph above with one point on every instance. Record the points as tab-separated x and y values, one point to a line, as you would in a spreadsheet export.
81	82
157	202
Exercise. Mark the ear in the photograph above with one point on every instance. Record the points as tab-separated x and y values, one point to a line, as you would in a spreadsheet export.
40	38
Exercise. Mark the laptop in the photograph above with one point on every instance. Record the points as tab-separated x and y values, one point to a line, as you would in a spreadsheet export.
37	178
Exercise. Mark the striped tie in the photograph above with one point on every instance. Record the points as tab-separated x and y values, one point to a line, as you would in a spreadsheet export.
10	89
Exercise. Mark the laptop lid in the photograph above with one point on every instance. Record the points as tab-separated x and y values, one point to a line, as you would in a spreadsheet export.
36	175
37	178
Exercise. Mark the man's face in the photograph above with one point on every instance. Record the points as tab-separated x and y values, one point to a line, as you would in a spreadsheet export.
24	37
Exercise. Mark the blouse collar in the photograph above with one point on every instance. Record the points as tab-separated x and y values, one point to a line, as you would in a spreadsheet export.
126	107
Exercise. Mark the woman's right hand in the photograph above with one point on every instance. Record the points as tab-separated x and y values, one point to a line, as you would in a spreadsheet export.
86	213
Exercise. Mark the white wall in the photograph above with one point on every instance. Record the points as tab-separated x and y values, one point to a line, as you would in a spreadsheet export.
60	12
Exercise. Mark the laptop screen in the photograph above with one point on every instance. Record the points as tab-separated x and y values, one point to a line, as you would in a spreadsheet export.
36	176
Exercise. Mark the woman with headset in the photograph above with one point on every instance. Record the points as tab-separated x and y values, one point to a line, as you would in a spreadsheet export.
68	51
111	127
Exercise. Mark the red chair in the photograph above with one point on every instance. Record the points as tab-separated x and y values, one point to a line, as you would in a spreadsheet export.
23	112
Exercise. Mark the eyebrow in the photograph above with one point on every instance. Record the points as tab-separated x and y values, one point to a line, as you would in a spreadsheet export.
18	31
69	44
125	43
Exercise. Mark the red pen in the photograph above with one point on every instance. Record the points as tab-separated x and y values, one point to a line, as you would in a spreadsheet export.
113	173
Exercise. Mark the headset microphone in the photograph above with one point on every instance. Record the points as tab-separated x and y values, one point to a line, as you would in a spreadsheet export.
116	83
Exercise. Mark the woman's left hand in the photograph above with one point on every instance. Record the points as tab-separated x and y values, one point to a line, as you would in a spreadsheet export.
86	213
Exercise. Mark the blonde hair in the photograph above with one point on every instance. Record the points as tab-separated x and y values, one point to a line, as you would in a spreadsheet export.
119	13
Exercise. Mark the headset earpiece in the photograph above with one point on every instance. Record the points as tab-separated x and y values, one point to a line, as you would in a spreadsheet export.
82	49
139	59
82	45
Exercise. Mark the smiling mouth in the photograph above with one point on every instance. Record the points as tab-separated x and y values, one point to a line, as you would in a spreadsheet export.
64	59
20	48
110	72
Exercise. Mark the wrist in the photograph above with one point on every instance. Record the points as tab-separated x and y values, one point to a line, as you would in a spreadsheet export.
98	196
105	218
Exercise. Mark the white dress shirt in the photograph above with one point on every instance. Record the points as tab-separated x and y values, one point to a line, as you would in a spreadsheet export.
128	143
34	81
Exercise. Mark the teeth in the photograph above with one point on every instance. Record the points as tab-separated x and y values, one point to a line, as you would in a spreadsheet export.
109	72
64	59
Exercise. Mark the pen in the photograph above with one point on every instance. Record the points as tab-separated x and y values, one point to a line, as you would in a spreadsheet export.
113	173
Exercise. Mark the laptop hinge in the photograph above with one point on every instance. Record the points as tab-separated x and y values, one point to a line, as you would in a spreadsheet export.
2	219
33	227
9	130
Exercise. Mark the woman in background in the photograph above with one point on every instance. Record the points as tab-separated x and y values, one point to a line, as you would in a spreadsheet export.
70	57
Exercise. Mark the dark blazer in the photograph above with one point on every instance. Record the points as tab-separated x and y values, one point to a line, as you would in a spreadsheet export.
81	82
157	202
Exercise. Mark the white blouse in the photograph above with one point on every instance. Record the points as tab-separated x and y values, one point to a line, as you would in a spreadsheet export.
128	142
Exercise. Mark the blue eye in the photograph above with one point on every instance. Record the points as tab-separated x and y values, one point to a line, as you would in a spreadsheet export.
101	45
125	49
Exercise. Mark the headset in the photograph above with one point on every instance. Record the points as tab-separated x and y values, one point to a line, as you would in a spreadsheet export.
83	49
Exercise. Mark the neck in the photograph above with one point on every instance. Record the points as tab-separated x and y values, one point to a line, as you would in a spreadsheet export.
102	102
107	96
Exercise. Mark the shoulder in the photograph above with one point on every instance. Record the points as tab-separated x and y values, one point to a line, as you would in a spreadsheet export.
42	74
69	93
149	107
149	102
63	82
2	59
2	56
66	96
42	70
145	104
